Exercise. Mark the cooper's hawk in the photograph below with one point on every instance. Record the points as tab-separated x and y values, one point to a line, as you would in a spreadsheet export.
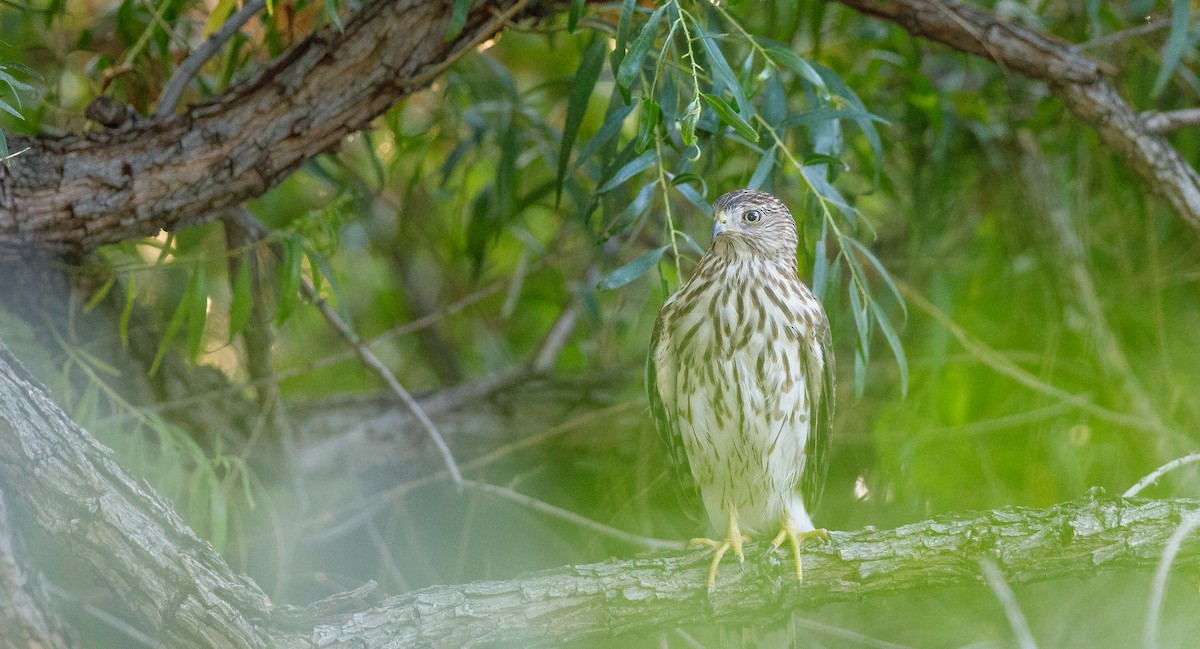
740	377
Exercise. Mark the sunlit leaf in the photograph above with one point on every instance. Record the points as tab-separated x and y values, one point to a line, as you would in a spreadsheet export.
197	317
217	16
241	301
729	116
631	271
573	15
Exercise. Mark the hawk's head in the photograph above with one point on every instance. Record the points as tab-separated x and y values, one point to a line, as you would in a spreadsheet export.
750	222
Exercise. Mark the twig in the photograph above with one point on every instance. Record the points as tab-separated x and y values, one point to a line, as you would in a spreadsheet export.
367	357
1154	475
1171	120
571	517
1116	37
174	87
1158	588
1008	600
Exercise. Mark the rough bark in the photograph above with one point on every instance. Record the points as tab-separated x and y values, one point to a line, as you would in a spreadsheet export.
68	195
130	536
184	591
1077	80
27	616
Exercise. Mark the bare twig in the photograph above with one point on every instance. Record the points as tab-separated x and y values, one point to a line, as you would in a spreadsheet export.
1008	600
1154	475
1077	80
543	507
183	75
1158	588
1172	120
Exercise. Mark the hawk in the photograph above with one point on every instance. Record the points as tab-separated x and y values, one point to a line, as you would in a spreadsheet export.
740	379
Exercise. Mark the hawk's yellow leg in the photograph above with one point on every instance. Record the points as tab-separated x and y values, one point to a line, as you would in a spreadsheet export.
733	539
795	537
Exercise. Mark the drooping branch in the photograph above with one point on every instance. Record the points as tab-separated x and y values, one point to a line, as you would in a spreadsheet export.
185	591
71	194
1077	80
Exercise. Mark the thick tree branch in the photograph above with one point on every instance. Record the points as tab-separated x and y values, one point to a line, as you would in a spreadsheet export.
71	194
660	591
1078	81
187	593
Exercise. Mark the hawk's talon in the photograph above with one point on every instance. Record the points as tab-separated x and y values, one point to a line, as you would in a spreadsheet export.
795	537
734	540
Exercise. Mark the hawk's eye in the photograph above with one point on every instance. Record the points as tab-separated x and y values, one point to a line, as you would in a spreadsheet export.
751	216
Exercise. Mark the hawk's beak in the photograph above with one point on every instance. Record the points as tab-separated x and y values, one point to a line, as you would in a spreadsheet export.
720	223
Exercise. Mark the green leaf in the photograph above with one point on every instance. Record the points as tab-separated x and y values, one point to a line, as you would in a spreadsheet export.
10	110
687	124
241	302
100	293
332	14
197	305
730	116
820	276
573	15
178	318
624	23
458	18
887	277
1181	12
762	171
782	55
648	118
631	271
127	312
889	333
631	169
633	210
581	91
723	75
289	279
631	65
607	131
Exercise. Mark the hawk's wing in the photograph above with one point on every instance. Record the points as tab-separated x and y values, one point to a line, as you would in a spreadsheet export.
819	382
661	385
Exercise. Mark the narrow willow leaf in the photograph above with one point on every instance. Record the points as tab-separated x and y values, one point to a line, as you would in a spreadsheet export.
10	110
178	318
582	86
217	16
631	169
197	316
722	73
632	63
889	333
458	18
321	268
687	238
762	171
687	125
887	277
783	56
573	15
1181	12
607	131
632	211
624	23
730	117
127	312
331	13
289	280
865	124
241	302
648	118
631	271
820	276
100	293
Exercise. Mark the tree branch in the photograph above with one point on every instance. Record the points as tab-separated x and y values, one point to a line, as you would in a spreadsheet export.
71	194
1078	81
653	592
184	590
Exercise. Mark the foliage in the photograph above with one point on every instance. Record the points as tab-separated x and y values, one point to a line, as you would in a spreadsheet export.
570	166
